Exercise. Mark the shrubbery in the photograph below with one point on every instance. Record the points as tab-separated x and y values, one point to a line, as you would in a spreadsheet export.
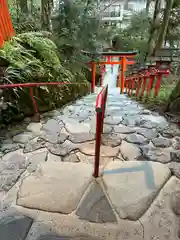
32	57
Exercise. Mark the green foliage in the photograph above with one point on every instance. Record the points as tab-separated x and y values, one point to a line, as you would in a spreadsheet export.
16	54
139	25
46	48
76	28
135	36
160	102
163	95
24	23
32	57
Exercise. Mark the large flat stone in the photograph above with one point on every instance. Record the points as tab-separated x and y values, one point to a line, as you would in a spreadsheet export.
132	185
36	158
106	128
34	127
51	224
62	149
9	147
76	127
162	155
53	137
50	114
90	159
170	131
175	202
175	156
129	121
71	158
136	139
12	165
51	157
123	129
79	118
159	221
14	226
85	158
106	151
147	133
52	126
50	137
176	143
59	187
49	237
113	120
155	120
34	144
8	178
149	124
161	142
112	140
23	137
95	206
129	151
81	138
175	168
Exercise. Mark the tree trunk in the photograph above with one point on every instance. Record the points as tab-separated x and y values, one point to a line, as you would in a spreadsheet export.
24	6
154	28
31	6
164	26
148	2
46	9
174	100
126	4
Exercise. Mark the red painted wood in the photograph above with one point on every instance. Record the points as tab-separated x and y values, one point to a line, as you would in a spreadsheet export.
6	28
139	81
102	72
100	113
144	80
93	82
10	30
149	85
1	39
123	69
98	143
133	85
34	104
25	85
158	84
129	86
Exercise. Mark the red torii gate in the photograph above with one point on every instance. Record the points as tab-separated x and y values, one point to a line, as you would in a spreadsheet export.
6	27
125	58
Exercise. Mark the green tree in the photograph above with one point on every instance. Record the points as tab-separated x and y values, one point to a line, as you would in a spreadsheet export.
164	26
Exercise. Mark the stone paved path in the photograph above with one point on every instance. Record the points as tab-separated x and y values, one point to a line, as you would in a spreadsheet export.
47	191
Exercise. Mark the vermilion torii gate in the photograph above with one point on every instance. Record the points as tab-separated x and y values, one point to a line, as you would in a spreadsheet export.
6	28
124	59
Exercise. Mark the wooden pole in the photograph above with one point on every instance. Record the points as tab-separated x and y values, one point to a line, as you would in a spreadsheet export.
123	73
93	66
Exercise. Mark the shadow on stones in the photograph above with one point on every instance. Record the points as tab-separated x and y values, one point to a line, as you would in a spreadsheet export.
95	206
14	226
145	167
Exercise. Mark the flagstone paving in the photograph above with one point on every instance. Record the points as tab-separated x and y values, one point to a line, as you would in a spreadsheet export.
47	191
